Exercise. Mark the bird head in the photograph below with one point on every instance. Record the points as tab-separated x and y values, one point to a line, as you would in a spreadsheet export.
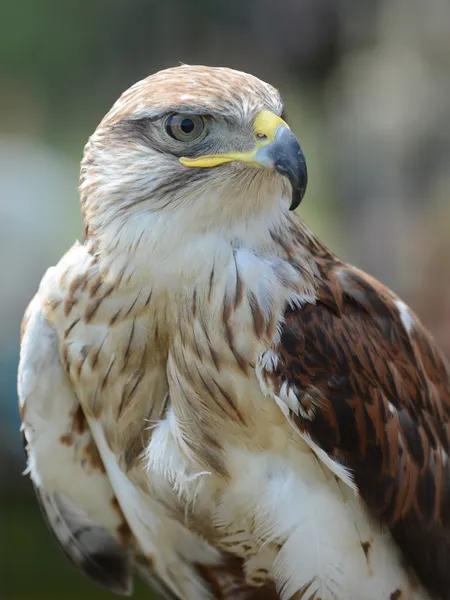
207	146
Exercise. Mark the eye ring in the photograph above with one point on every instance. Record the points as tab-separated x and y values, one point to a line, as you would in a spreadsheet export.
184	127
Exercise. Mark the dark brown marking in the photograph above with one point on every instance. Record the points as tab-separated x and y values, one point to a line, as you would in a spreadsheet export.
92	456
81	360
128	393
79	423
65	355
120	276
194	303
114	318
139	378
105	378
133	304
77	282
164	406
92	309
134	448
214	356
138	240
66	439
230	402
95	286
128	348
211	279
396	595
71	326
288	248
243	365
227	580
366	546
124	534
259	322
96	354
69	303
109	290
122	403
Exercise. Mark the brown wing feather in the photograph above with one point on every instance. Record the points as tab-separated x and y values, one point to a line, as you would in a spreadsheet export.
376	398
227	582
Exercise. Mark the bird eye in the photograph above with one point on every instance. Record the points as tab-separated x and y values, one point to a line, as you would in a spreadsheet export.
185	128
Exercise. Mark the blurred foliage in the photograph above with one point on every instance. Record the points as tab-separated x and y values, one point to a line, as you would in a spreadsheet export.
68	60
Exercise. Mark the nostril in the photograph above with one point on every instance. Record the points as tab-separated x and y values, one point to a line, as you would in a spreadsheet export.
262	137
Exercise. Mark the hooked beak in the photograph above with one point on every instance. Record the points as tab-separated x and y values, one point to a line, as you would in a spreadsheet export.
276	148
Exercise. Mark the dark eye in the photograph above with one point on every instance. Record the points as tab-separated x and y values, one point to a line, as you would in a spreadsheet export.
185	128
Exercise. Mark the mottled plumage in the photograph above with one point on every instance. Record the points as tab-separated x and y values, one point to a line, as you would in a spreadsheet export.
212	398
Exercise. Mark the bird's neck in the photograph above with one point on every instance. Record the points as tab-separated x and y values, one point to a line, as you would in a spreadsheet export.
164	251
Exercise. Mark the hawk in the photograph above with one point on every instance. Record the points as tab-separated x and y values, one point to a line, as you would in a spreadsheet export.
209	396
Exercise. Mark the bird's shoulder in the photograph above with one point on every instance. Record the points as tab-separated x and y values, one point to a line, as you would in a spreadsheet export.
75	288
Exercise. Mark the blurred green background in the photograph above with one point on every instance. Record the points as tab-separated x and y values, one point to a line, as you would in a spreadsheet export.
367	90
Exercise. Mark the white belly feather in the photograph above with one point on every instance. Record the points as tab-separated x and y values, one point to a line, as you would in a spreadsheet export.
296	513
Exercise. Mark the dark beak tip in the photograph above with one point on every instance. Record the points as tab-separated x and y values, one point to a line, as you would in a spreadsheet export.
298	191
290	162
295	201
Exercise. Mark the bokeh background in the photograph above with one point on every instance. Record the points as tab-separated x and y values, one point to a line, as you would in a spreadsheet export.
367	89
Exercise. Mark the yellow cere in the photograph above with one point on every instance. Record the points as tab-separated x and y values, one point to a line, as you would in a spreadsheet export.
266	124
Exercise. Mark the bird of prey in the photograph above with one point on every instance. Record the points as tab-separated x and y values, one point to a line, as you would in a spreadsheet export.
209	396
